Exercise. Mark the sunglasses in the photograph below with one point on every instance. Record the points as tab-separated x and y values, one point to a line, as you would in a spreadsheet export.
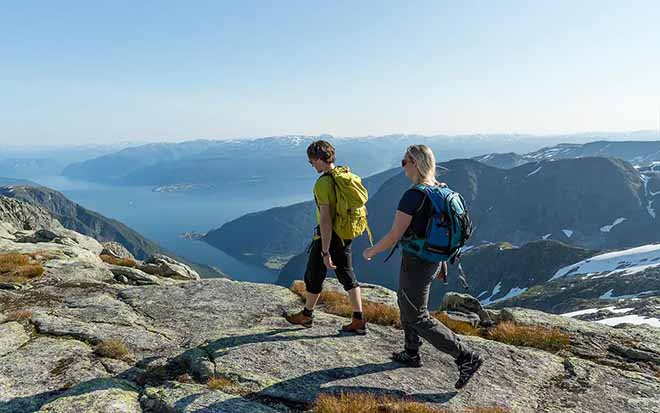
405	162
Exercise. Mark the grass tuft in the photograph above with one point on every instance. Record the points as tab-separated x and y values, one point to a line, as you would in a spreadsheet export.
19	268
370	403
219	383
549	339
18	315
124	262
113	348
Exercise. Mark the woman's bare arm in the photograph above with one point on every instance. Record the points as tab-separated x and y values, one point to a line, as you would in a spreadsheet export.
399	226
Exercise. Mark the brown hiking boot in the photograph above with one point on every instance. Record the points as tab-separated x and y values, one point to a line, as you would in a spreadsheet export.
300	319
356	326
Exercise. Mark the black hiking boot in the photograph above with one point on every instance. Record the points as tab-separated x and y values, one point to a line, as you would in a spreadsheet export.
467	364
404	358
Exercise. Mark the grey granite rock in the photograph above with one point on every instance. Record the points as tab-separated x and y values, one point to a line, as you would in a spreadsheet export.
191	398
98	395
115	249
134	276
12	336
165	266
24	216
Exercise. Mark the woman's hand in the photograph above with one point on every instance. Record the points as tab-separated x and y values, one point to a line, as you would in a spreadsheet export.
368	253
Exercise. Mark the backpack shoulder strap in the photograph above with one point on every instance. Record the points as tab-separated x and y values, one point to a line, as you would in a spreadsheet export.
430	192
423	189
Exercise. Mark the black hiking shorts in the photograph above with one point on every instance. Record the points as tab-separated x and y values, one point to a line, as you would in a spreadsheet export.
341	257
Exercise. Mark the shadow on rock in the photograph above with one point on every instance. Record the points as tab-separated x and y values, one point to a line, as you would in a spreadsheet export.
301	392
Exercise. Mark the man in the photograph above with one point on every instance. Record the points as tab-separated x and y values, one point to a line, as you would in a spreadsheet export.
328	250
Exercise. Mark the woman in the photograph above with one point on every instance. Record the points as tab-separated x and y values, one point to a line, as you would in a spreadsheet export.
416	274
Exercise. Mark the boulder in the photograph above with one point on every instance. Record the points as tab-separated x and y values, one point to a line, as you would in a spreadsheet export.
453	302
164	266
115	249
40	235
128	275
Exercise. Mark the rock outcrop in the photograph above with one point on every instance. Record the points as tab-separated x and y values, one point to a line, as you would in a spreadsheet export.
168	338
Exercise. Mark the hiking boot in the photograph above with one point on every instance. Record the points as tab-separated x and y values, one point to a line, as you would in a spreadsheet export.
356	326
467	364
300	319
404	358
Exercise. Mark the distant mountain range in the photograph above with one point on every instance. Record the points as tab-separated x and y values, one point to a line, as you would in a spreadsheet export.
16	167
282	159
39	161
640	153
13	181
93	224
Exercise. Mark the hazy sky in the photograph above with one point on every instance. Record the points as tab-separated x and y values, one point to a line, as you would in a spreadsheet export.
86	72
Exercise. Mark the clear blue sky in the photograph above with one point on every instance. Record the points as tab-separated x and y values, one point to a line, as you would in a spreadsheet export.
86	72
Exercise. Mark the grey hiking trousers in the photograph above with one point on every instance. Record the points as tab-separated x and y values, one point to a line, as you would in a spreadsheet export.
415	280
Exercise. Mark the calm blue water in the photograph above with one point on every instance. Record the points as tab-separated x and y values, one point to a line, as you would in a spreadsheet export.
163	217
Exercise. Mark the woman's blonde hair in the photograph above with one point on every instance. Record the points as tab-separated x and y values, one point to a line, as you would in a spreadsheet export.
424	162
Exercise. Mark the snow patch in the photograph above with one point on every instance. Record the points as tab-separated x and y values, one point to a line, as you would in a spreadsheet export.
595	310
546	236
649	205
616	222
628	262
514	292
630	319
534	171
568	232
608	295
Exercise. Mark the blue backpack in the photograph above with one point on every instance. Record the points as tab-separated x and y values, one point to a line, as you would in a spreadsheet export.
448	228
447	231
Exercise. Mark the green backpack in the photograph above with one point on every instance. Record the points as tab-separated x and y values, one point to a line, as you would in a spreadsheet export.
350	219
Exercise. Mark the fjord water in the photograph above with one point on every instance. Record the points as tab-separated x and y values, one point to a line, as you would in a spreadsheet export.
163	216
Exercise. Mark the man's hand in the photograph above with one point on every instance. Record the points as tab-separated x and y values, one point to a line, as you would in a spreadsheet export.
327	260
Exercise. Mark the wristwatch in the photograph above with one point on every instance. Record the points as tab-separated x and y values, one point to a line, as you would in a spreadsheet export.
325	254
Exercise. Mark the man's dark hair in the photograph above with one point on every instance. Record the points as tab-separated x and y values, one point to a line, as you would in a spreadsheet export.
321	150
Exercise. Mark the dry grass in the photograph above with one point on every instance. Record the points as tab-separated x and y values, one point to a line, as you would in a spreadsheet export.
219	383
19	268
18	315
369	403
458	327
337	303
124	262
113	348
549	339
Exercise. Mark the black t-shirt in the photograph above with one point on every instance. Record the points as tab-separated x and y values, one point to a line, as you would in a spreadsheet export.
415	203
